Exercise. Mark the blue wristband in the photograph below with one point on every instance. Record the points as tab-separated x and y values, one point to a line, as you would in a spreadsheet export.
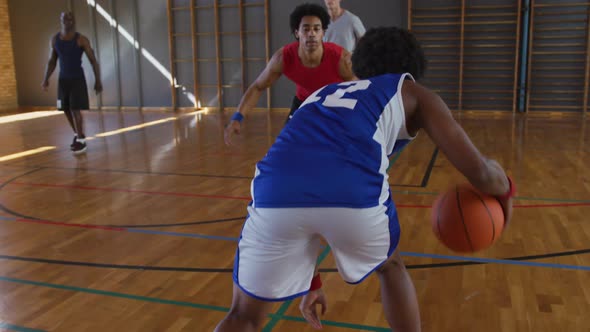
237	117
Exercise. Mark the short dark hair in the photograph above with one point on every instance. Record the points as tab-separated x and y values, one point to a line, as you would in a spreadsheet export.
388	50
308	9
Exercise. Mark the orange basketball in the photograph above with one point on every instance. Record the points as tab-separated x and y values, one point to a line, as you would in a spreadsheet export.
467	220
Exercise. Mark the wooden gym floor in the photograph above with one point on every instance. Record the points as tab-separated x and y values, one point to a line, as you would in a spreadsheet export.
139	233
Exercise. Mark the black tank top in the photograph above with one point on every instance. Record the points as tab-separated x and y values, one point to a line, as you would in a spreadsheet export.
70	57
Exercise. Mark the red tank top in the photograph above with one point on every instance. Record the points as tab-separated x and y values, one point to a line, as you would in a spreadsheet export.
307	79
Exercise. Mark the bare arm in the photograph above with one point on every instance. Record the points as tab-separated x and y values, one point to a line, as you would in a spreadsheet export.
272	72
433	115
359	29
85	44
51	64
345	66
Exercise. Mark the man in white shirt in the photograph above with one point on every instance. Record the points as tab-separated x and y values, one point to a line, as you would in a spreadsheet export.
345	28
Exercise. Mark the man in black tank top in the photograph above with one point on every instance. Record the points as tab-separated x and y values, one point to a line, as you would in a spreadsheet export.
67	46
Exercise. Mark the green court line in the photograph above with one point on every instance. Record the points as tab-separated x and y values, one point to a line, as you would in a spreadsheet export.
18	328
114	294
170	302
283	308
393	160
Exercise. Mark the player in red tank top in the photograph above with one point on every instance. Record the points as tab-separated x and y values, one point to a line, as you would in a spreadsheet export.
308	62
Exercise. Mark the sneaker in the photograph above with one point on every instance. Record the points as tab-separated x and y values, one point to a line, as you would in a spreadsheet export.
79	147
73	142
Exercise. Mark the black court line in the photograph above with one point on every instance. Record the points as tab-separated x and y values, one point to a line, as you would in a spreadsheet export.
425	177
23	216
205	222
150	173
7	182
421	185
428	172
229	270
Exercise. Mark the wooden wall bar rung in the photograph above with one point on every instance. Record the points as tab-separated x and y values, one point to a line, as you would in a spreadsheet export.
436	8
560	21
560	29
489	61
556	98
536	75
428	24
491	7
555	107
418	17
487	90
561	44
559	61
489	45
493	53
562	12
554	37
558	52
490	22
558	84
560	5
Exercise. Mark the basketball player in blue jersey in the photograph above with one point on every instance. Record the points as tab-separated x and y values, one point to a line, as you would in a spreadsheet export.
325	177
72	95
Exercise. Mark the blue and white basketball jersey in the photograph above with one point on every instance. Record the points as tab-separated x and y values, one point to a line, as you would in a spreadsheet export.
334	151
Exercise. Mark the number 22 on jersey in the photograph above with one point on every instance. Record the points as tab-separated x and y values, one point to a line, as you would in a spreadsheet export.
336	99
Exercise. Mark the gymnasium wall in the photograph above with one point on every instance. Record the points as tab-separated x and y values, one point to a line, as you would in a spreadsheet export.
505	55
135	58
8	94
34	23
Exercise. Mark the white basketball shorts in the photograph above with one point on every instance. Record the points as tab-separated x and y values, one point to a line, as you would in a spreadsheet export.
278	247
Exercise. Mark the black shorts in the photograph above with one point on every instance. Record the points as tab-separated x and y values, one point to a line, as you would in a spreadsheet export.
72	94
294	106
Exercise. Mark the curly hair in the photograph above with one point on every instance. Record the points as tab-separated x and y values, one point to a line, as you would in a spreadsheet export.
388	50
308	9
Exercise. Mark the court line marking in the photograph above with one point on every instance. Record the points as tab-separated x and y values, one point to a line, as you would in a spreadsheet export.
228	270
498	261
17	328
403	192
409	254
248	198
172	302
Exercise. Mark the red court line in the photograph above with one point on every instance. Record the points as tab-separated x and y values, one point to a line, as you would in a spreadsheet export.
129	191
550	205
408	206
